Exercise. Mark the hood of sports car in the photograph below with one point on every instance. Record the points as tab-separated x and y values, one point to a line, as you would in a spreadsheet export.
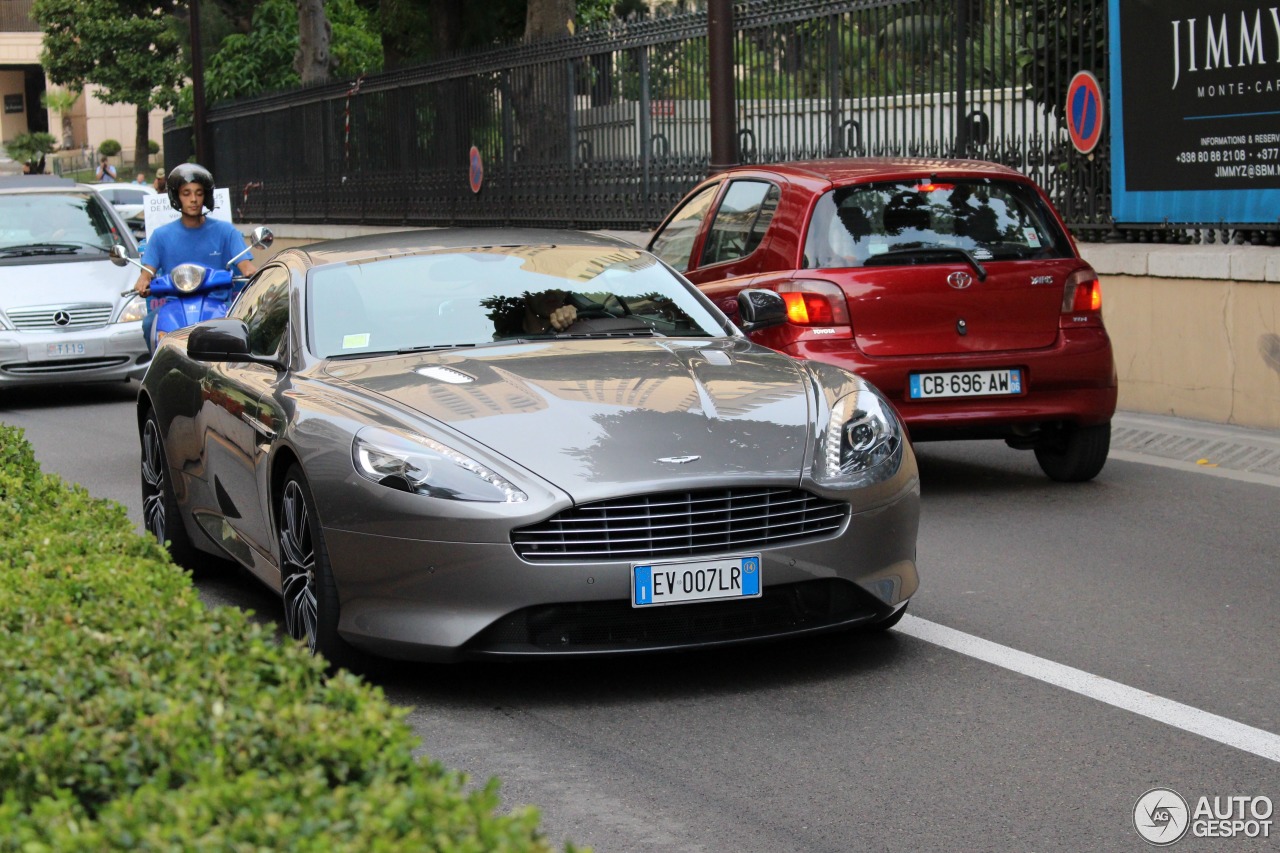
591	415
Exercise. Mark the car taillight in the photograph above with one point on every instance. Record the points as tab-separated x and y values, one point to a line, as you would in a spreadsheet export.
814	303
1081	298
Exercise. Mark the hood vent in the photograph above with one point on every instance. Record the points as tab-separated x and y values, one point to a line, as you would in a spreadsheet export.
445	374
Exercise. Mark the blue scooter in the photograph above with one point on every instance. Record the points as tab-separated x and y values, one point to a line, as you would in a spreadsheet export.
190	293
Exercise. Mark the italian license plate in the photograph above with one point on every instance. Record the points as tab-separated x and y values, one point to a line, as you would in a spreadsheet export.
695	580
966	383
63	350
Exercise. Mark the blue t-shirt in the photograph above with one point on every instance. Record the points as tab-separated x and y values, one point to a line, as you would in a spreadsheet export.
212	244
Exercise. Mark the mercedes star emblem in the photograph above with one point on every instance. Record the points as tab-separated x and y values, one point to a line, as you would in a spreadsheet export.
62	318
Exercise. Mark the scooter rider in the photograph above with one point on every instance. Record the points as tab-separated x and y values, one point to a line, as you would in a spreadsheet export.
192	239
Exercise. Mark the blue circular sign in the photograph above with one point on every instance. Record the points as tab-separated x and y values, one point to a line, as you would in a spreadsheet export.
1084	112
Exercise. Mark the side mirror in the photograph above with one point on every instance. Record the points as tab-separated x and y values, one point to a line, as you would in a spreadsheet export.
262	237
223	339
760	309
119	255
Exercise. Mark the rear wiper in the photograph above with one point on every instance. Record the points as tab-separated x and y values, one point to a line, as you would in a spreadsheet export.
926	254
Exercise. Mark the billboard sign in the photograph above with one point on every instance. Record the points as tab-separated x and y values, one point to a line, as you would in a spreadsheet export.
1195	95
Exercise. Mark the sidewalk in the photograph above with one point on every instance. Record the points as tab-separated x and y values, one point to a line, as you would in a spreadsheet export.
1242	454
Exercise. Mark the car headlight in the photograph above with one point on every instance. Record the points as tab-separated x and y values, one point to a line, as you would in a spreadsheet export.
409	462
135	309
187	277
862	442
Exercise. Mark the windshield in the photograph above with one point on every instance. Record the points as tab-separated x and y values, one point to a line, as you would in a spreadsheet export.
36	224
471	297
991	219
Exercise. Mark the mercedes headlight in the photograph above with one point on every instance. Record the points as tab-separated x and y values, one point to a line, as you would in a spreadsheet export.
410	462
135	309
187	277
862	442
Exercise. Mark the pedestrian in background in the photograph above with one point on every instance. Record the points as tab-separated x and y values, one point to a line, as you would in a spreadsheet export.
106	172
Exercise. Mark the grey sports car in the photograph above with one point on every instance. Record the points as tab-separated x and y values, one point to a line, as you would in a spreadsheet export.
463	443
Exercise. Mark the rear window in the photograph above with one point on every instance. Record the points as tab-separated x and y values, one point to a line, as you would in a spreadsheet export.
994	220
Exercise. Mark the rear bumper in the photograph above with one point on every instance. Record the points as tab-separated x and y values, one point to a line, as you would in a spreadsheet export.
1072	382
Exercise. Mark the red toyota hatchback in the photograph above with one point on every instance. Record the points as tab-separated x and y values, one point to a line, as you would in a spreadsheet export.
952	285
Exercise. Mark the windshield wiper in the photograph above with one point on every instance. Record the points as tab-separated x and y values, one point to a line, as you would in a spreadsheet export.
427	347
39	249
637	332
926	254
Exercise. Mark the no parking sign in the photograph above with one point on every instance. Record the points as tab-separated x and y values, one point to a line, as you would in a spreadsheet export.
1084	111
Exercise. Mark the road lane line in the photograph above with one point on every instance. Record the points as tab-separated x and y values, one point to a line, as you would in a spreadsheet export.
1256	741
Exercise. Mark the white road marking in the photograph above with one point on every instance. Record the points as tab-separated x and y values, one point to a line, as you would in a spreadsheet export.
1253	740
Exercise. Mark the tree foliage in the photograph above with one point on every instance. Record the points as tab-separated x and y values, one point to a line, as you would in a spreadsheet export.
30	150
262	60
128	48
1061	39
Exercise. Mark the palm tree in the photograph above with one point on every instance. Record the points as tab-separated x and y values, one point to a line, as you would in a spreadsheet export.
30	150
62	101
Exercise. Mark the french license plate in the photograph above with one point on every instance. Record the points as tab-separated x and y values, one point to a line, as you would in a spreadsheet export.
966	383
63	350
695	580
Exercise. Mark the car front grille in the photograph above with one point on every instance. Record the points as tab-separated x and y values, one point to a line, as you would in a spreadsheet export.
680	524
66	365
617	626
56	317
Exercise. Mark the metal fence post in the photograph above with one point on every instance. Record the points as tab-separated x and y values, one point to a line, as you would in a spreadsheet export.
962	77
646	126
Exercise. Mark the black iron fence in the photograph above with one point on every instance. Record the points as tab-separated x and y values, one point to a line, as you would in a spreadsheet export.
610	128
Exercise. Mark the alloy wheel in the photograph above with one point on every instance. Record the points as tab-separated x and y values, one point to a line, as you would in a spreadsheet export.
298	566
153	481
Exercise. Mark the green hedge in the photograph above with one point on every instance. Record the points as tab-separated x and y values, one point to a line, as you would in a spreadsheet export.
132	717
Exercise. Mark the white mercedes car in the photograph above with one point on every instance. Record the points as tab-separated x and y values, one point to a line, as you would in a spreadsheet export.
62	315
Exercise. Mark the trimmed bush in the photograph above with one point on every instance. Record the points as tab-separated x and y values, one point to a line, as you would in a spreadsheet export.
109	147
153	147
132	717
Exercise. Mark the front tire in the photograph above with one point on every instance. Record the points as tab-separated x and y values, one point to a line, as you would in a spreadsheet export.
1077	455
306	580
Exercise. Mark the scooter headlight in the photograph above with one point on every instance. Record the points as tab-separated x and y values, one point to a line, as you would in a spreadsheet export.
187	277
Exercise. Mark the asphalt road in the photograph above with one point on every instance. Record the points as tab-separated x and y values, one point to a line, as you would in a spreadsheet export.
1155	585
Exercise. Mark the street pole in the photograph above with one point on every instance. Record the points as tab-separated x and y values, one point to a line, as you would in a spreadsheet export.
200	130
724	131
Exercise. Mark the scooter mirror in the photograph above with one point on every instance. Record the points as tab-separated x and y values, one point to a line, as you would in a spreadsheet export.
119	255
262	237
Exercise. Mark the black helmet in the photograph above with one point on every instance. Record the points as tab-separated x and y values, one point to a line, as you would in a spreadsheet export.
189	173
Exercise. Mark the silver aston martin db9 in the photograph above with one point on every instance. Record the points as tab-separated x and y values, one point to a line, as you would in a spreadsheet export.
463	443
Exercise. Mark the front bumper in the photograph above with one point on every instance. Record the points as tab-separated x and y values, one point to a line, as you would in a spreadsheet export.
110	353
422	600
